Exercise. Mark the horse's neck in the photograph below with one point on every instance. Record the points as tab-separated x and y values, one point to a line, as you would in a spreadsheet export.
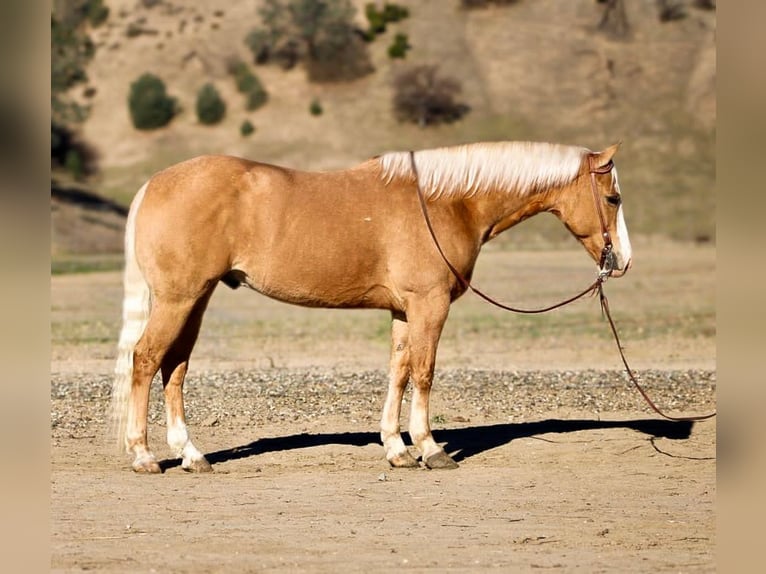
498	212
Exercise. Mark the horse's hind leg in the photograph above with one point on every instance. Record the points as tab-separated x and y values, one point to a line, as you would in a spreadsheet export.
174	367
390	433
166	322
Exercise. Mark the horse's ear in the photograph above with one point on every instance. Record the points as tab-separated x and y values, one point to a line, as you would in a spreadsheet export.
604	157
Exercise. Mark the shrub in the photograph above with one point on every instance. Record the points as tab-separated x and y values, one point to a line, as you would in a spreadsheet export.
378	20
260	44
245	79
393	12
315	108
669	10
150	106
485	3
70	152
423	97
705	4
256	98
96	12
74	164
246	128
248	84
210	106
399	48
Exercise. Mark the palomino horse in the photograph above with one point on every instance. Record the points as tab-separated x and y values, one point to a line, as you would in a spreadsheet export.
350	238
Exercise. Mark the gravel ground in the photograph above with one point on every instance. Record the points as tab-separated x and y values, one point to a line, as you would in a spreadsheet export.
80	401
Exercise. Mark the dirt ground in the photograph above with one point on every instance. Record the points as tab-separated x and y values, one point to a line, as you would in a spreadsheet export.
561	464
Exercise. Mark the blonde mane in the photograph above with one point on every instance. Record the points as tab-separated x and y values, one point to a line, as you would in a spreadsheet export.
467	170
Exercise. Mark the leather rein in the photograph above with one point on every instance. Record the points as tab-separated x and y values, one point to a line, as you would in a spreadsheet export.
606	267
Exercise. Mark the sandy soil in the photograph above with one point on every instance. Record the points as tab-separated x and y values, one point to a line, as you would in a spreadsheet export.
561	465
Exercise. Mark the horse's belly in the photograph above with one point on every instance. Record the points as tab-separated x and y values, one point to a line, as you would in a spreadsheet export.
321	283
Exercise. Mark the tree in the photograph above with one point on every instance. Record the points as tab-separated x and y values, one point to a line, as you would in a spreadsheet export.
71	51
319	32
424	97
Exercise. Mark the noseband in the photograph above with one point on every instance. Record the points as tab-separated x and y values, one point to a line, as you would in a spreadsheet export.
606	267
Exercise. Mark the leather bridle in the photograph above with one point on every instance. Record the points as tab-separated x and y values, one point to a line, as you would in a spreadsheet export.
606	267
606	261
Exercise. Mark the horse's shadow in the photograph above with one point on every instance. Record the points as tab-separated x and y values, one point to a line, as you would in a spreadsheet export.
461	443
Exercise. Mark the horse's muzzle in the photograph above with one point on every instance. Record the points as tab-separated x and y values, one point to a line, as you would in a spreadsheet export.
619	272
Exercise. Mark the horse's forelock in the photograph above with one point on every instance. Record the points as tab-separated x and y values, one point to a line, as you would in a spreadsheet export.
466	170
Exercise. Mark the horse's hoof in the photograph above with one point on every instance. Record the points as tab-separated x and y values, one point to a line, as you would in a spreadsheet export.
404	460
440	460
197	465
146	466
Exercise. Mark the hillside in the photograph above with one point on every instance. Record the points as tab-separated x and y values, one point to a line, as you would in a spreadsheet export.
532	70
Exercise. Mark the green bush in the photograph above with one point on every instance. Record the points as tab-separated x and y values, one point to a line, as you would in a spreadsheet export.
485	3
378	20
245	79
74	164
150	106
96	12
256	98
260	43
210	106
70	152
399	47
248	84
393	12
316	108
246	128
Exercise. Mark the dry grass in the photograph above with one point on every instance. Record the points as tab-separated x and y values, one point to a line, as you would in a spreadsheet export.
664	308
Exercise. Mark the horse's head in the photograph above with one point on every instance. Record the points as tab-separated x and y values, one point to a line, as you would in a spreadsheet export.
591	208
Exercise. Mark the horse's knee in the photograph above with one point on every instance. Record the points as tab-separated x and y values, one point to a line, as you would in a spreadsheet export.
145	365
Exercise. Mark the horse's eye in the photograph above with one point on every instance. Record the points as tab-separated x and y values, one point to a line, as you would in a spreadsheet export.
614	199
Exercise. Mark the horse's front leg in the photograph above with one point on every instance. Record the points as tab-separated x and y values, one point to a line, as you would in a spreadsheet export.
426	319
399	375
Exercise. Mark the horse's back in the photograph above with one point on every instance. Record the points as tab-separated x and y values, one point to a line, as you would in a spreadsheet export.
312	238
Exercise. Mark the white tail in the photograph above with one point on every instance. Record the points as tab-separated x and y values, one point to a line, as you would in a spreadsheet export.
135	313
